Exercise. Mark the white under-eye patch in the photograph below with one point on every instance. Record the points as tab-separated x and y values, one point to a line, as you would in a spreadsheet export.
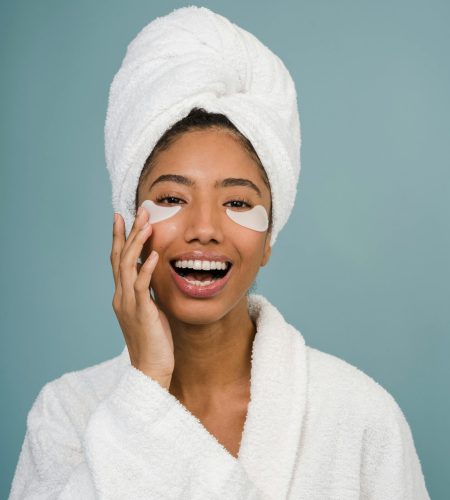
255	218
157	213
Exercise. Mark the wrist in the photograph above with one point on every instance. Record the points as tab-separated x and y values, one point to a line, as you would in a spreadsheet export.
162	379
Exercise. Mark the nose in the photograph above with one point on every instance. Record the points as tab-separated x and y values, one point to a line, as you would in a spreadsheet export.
204	223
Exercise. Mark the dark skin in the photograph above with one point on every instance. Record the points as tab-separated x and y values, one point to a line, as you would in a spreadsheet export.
198	349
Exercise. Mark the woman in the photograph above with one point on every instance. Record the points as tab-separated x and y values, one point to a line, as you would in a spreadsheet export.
215	395
204	311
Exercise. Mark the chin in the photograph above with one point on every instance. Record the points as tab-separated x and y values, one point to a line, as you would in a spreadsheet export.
198	311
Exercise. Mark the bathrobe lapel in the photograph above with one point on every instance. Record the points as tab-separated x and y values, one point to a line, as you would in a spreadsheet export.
273	426
277	403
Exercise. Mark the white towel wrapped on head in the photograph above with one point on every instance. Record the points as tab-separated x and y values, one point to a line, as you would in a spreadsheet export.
194	57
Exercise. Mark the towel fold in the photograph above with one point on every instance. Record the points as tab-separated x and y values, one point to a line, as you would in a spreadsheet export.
196	57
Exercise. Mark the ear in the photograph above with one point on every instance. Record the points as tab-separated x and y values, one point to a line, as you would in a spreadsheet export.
267	251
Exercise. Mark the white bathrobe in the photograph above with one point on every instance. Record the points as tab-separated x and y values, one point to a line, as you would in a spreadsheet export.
317	428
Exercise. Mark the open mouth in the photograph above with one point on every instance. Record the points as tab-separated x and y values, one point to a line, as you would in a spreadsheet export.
200	277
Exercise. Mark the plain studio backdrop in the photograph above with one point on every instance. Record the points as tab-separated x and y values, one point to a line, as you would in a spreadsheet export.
362	267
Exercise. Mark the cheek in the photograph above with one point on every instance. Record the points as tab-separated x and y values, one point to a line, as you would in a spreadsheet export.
163	234
167	229
248	229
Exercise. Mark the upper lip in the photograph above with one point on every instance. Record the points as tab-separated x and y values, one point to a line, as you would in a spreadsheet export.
201	255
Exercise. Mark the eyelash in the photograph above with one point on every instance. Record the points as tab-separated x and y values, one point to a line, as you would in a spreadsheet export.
237	199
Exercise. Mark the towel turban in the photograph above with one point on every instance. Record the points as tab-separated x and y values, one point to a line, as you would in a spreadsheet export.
194	57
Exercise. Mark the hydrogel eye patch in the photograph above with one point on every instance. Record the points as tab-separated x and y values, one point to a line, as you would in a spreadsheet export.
157	213
256	218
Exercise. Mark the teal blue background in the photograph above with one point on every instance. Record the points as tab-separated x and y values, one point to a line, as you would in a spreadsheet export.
362	268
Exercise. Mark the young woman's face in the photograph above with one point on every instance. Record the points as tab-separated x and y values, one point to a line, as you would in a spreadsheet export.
201	160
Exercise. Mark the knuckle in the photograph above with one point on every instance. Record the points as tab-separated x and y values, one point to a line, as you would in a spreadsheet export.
115	304
122	252
115	253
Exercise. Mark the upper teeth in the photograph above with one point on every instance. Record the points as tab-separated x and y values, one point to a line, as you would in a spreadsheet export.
204	265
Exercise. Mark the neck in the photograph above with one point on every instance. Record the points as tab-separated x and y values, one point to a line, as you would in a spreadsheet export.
212	361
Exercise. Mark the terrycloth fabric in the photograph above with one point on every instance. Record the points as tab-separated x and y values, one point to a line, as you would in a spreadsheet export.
317	428
195	57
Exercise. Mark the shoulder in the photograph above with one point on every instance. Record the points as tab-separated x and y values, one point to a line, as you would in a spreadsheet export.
351	408
340	385
335	387
73	396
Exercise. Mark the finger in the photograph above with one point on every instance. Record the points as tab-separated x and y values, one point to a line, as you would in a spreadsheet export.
128	266
140	220
133	251
142	283
118	240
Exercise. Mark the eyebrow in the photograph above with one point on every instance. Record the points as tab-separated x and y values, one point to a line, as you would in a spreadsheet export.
228	182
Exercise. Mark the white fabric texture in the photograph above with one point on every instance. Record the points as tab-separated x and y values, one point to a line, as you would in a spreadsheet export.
317	428
195	57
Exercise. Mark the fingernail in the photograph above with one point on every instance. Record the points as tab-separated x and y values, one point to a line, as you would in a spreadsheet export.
115	217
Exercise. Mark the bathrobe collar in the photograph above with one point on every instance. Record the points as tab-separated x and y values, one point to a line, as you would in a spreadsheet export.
275	414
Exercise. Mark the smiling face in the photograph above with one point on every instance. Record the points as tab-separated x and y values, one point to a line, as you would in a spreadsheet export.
206	172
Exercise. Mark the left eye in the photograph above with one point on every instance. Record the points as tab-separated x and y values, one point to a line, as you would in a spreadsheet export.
238	203
170	199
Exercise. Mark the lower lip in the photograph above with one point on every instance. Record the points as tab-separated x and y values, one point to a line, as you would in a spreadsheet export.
200	291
